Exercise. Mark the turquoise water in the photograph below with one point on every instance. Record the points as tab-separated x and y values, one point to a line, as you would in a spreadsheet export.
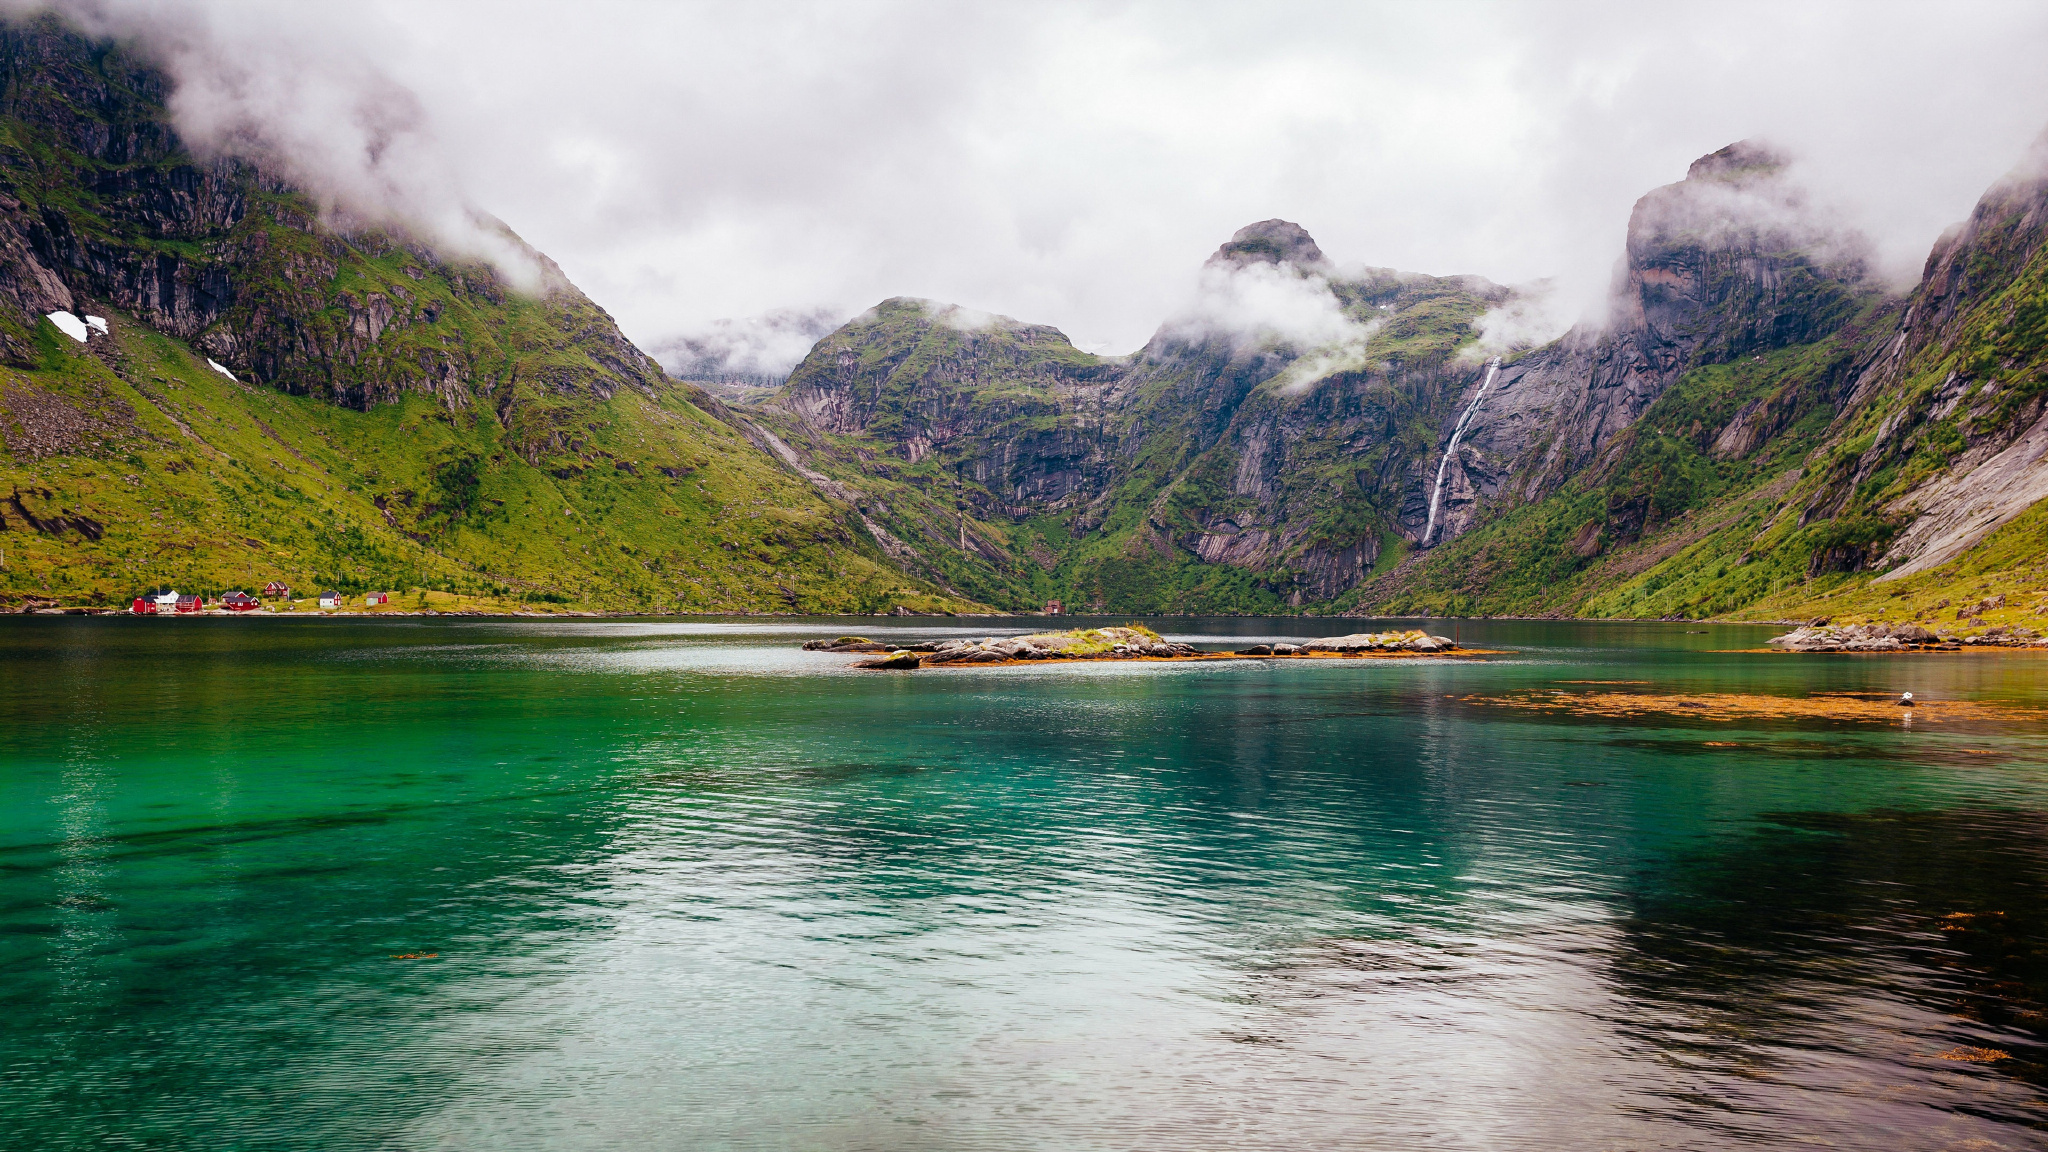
680	885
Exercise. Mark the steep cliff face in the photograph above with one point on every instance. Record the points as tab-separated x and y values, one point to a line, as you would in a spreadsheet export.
1246	457
1722	265
1012	407
1893	467
393	416
1299	463
1947	439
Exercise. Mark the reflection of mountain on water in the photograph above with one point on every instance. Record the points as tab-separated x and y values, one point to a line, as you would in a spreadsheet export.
1853	970
1864	981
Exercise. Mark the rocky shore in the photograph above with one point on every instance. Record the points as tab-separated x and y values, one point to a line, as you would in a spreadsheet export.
1881	637
1124	643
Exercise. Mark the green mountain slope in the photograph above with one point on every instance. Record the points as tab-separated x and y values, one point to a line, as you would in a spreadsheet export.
398	421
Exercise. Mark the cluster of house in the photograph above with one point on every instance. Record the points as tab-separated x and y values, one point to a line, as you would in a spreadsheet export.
171	601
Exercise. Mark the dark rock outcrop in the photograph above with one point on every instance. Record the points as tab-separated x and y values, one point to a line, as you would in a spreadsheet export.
1271	242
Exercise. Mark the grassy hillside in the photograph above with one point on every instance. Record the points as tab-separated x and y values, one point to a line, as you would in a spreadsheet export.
130	463
401	421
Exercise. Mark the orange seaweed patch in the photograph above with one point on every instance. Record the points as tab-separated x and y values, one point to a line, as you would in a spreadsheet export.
415	956
1931	650
1973	1055
1731	706
1722	744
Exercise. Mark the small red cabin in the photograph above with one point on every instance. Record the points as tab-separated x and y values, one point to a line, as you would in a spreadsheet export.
239	602
190	604
377	598
144	606
276	590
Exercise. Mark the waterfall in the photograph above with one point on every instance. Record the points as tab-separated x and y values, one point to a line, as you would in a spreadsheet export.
1451	449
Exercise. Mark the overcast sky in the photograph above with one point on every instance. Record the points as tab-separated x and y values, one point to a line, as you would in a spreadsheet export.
1074	164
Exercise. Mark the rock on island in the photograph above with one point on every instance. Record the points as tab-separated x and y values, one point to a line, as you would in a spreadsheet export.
1881	637
1129	642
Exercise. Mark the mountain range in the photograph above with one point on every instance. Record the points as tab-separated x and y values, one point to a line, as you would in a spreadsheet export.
1758	426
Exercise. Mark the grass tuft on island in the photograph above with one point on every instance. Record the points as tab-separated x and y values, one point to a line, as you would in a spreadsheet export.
1128	642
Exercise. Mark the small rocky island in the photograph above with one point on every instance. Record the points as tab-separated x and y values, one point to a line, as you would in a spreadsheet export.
1880	637
1129	642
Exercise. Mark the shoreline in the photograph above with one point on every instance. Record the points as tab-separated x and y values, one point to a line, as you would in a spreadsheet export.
35	609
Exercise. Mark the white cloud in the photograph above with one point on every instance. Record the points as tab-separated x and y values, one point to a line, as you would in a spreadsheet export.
1258	303
764	347
1261	305
1072	164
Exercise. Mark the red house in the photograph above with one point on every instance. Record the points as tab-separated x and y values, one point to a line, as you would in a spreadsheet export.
144	606
239	602
276	590
188	605
377	598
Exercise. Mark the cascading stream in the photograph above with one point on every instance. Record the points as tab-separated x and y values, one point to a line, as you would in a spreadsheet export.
1457	431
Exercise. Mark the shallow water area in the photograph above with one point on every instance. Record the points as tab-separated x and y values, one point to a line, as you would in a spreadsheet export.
526	884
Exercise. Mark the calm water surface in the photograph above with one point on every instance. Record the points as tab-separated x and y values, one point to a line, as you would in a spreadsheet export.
668	885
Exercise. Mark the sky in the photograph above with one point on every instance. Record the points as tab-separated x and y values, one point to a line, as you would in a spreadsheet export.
694	167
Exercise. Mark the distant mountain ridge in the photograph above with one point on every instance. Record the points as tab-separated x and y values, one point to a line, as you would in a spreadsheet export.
1211	471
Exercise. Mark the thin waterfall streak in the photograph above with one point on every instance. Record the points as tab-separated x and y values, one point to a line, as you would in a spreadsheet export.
1457	432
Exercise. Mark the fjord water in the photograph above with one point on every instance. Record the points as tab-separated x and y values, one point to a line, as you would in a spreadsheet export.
605	884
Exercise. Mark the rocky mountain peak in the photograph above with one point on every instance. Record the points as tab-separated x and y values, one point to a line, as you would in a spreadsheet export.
1270	242
1739	162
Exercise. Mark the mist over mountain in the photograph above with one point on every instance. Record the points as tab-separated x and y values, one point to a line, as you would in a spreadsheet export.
757	348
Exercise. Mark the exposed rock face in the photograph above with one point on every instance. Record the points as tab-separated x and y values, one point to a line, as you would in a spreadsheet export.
894	661
1236	457
1718	266
1271	242
1409	641
1015	408
1858	638
1128	643
1951	399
